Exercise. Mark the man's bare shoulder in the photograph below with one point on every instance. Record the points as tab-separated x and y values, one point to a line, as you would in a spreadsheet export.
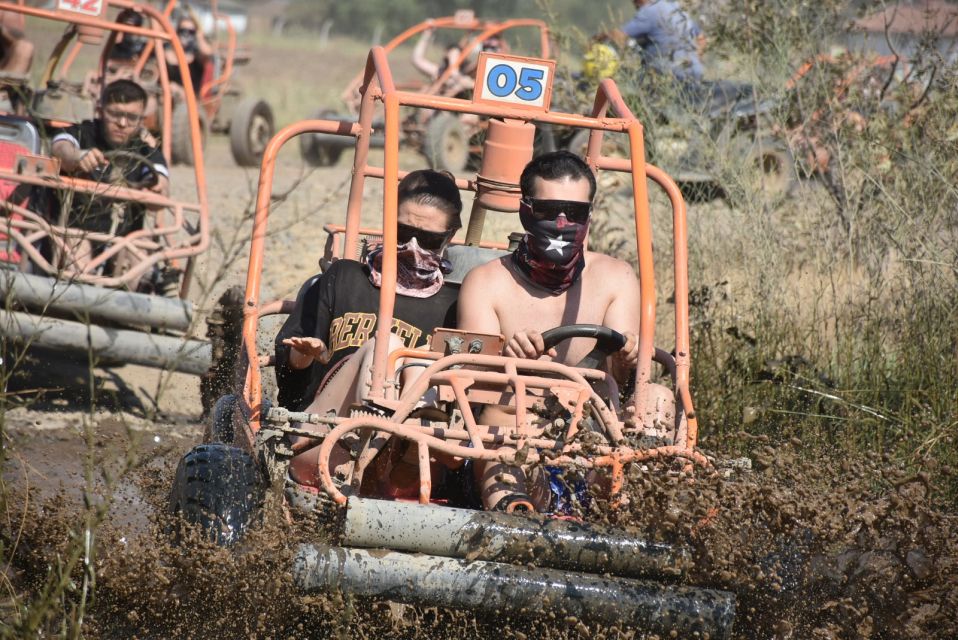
489	272
604	266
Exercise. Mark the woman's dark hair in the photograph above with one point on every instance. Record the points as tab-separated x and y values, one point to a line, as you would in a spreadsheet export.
122	92
130	17
555	166
434	189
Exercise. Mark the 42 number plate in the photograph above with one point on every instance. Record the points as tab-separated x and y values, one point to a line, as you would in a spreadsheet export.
86	7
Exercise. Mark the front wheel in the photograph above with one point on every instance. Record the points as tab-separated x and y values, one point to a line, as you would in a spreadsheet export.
217	488
182	136
446	144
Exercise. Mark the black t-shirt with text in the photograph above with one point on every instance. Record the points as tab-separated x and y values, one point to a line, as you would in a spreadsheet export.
340	308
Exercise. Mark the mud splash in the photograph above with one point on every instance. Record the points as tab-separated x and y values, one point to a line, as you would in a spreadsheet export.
812	547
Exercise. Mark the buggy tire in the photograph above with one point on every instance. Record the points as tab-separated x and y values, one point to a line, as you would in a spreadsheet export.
217	488
181	147
219	426
314	151
251	128
774	160
446	144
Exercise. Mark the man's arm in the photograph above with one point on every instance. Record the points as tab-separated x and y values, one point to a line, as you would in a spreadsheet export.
155	156
73	159
419	60
623	315
642	24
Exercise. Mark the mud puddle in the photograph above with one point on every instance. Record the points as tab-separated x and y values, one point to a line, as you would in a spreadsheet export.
812	547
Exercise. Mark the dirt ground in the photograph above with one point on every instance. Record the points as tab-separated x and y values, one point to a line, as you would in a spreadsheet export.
812	550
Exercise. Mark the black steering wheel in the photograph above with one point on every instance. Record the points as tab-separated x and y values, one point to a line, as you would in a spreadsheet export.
607	341
127	169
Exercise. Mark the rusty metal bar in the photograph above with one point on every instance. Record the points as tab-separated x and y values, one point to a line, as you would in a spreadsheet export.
500	537
501	589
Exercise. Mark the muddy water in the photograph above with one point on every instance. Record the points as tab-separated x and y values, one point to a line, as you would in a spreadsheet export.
813	548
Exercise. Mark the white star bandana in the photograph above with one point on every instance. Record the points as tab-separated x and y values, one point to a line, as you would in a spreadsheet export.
557	245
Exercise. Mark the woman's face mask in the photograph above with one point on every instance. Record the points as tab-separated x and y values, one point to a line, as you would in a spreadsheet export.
419	272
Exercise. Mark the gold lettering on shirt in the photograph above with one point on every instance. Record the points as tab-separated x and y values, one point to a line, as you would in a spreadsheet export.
352	330
406	332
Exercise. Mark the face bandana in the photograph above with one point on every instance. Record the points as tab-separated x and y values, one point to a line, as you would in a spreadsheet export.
418	271
551	254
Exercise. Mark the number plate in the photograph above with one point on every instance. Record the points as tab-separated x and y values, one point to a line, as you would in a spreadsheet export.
514	80
86	7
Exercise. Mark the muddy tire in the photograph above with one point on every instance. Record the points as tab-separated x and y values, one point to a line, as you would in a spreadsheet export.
217	488
224	329
250	131
446	144
219	426
314	151
181	145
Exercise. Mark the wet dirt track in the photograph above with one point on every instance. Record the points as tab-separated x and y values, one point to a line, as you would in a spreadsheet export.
812	547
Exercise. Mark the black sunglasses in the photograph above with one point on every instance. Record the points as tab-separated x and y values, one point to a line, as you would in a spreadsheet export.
574	210
428	240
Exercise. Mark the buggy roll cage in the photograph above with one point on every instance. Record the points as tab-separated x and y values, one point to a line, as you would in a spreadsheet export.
378	86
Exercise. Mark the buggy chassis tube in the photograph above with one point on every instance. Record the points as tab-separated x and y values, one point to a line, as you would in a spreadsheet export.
135	347
499	588
682	358
524	453
504	537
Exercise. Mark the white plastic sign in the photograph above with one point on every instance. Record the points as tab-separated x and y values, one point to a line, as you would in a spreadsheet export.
86	7
517	81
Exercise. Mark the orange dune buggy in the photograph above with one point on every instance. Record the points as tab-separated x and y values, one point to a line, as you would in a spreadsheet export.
426	551
137	314
447	141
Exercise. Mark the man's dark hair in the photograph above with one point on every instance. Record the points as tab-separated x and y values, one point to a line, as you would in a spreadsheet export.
434	189
555	166
122	92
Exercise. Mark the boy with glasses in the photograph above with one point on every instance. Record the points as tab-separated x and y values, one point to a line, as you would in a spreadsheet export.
113	147
550	280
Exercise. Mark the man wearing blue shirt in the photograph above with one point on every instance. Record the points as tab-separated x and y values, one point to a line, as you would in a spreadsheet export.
667	37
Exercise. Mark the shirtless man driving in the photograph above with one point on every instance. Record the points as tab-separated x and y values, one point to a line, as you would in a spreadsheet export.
551	280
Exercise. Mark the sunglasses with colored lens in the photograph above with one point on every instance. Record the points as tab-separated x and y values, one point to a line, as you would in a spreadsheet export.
574	210
428	240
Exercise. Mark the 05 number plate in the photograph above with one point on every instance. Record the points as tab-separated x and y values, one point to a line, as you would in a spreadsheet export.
514	80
